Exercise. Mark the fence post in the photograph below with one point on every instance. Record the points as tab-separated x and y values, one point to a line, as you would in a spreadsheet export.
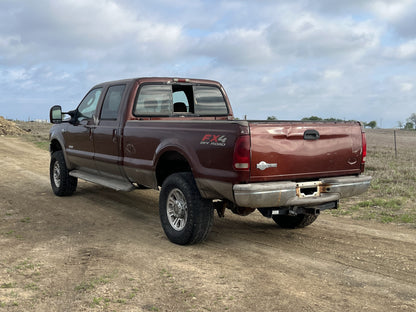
395	144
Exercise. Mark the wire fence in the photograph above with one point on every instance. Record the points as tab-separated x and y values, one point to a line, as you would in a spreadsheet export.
396	142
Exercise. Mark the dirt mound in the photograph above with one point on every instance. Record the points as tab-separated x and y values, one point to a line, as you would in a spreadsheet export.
9	127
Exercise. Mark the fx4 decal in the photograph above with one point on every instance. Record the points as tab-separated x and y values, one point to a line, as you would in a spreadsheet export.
214	139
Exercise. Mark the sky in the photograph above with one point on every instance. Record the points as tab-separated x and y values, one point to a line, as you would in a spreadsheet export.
353	60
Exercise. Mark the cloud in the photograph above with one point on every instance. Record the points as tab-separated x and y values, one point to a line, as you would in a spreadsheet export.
286	58
390	10
406	86
75	31
407	50
332	74
399	15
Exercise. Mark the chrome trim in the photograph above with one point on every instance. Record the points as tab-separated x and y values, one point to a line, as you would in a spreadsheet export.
283	194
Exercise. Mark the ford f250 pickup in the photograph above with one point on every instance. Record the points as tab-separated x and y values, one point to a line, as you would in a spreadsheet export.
179	136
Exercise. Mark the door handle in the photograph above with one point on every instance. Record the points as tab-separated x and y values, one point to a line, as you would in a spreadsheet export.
115	132
311	135
90	133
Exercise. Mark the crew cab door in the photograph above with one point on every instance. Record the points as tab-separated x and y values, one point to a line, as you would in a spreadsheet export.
107	152
78	135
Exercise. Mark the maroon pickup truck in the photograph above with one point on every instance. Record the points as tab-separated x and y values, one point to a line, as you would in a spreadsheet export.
180	136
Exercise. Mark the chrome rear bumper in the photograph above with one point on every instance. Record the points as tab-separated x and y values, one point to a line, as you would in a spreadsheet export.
283	194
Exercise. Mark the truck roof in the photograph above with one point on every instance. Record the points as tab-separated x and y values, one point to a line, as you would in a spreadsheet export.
159	79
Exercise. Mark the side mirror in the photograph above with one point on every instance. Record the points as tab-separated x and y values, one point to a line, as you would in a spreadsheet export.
55	114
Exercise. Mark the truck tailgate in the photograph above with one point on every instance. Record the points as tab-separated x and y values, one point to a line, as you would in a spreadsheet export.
306	150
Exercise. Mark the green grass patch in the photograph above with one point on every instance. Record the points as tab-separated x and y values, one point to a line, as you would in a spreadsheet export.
44	145
32	286
25	265
85	286
394	204
88	285
7	285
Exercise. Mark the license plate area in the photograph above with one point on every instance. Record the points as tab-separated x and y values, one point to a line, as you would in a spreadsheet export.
308	189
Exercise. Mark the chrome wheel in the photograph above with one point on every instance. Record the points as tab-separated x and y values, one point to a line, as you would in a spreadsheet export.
57	174
177	209
186	217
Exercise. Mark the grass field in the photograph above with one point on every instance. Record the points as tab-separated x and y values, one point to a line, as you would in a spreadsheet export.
392	195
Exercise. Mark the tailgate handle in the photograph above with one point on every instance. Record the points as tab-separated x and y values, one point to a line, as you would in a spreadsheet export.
311	135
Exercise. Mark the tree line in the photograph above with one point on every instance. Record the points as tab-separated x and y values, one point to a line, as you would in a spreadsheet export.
371	124
409	124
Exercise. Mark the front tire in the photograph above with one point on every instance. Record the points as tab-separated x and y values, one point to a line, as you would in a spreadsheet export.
294	222
62	183
186	217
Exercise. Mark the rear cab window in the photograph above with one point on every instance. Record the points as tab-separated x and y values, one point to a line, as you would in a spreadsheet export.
153	100
179	99
209	101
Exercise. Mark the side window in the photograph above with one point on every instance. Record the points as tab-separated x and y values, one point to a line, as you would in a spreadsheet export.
153	100
89	104
209	101
112	102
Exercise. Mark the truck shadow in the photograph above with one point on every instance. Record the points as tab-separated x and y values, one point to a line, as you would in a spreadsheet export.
142	206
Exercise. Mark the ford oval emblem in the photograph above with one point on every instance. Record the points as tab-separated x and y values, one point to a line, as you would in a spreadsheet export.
263	165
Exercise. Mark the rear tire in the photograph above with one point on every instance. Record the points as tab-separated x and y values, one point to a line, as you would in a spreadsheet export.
294	222
186	217
62	183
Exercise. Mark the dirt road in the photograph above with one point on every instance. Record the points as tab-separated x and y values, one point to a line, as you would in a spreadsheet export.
102	250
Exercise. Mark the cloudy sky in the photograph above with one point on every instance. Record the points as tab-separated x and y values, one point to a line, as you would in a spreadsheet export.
291	59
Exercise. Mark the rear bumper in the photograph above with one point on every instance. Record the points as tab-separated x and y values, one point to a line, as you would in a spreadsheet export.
284	194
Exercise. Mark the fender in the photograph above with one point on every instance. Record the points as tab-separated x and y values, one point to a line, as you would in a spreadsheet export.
56	134
174	145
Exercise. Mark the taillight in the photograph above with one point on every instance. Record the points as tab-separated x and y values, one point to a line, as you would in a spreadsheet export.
241	158
364	152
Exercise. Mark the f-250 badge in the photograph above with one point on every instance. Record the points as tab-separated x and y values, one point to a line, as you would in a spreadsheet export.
214	139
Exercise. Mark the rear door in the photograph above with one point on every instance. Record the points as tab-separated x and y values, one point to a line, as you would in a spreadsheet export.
296	151
107	133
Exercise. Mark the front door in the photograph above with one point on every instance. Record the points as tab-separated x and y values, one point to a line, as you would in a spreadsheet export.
79	134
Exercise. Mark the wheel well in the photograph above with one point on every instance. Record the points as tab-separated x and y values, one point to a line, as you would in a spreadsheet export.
169	163
55	146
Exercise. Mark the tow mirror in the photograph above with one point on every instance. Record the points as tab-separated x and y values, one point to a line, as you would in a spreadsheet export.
55	114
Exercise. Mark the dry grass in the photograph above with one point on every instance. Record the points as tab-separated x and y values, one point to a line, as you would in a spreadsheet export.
392	195
36	132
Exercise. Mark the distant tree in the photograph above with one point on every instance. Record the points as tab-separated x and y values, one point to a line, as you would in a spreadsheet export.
412	119
316	118
332	119
271	118
409	125
372	124
399	125
312	118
